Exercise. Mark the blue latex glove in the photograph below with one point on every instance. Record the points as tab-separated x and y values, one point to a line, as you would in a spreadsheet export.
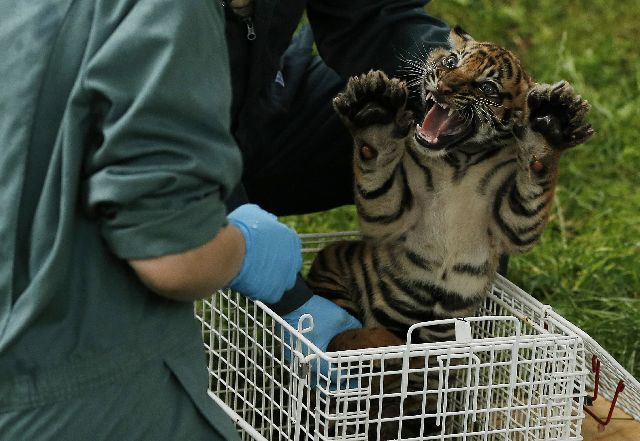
329	320
272	254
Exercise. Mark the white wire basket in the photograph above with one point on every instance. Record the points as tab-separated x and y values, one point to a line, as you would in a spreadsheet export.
516	371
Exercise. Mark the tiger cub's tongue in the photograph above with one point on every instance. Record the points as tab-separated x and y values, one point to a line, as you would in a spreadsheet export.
437	121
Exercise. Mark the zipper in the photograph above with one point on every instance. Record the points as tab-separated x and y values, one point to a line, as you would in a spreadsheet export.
251	32
244	11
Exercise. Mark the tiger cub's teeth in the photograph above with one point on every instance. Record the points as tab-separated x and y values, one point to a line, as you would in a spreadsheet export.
450	111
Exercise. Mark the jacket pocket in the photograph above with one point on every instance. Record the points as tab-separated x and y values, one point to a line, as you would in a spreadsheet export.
189	367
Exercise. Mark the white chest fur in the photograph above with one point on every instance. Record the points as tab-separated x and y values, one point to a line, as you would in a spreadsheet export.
452	221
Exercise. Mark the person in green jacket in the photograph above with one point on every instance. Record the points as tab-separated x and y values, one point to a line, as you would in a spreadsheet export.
120	125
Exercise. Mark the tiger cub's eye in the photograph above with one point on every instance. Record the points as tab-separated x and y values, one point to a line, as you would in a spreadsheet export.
367	152
488	88
450	62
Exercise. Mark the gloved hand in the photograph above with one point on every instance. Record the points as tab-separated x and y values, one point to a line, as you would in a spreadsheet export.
272	254
329	320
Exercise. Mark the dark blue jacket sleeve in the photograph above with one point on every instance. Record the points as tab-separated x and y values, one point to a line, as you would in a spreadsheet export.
356	36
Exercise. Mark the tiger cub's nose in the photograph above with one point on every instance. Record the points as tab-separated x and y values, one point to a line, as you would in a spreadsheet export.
443	87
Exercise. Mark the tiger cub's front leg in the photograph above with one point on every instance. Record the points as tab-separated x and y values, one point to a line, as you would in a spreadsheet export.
555	121
373	107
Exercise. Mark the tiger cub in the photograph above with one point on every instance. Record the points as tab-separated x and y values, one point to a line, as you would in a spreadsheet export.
440	201
442	195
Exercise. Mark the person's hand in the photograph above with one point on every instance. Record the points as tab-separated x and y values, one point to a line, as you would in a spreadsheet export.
329	320
272	254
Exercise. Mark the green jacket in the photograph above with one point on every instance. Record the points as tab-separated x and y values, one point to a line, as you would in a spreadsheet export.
114	144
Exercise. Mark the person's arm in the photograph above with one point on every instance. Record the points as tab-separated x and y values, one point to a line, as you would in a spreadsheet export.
192	274
255	255
357	36
157	77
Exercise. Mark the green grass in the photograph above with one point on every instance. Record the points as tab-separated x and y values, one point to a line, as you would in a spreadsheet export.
587	265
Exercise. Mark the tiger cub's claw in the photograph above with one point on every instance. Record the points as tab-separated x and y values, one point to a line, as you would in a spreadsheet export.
374	99
559	114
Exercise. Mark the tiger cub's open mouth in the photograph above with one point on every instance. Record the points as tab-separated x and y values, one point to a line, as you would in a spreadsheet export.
442	126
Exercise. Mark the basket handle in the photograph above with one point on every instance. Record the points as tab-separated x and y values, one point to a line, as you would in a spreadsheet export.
595	365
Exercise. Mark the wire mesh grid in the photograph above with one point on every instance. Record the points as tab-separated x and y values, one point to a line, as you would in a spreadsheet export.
605	376
514	372
609	379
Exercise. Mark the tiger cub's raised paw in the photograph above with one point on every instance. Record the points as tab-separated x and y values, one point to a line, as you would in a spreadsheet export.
558	113
374	99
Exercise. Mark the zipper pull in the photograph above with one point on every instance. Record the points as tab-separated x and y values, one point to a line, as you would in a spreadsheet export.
251	32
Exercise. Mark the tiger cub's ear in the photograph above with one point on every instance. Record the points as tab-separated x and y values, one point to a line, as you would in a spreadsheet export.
459	37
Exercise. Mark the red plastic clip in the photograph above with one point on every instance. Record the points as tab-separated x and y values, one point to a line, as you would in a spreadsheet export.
595	366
